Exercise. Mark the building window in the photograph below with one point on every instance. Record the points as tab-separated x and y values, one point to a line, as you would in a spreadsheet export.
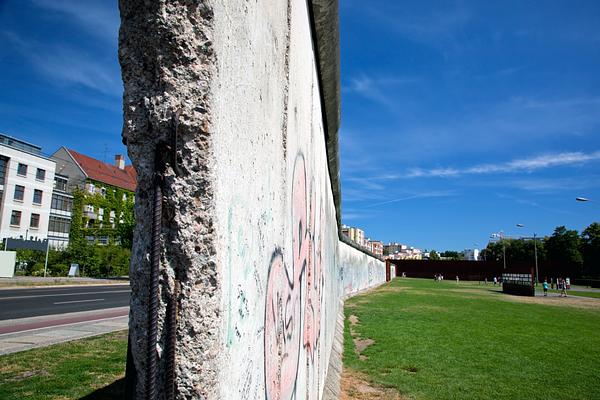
19	193
3	167
15	218
103	240
37	196
61	203
34	221
91	188
22	169
40	175
60	184
59	225
89	208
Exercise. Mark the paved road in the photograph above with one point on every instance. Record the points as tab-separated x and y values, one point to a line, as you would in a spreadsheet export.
25	303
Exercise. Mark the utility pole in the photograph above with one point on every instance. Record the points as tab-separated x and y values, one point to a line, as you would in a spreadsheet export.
537	276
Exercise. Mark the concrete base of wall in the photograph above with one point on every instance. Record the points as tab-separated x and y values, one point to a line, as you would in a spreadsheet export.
333	379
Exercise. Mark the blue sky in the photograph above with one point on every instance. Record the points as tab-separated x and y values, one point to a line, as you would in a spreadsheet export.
465	118
459	118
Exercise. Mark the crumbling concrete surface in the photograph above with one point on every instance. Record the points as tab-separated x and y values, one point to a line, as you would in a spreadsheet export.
167	62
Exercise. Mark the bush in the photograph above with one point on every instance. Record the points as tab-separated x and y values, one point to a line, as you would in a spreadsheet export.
94	261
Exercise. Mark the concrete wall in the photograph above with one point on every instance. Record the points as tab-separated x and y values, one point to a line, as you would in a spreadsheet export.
250	225
7	263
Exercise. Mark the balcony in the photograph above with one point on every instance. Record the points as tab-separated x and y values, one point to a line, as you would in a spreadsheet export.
89	214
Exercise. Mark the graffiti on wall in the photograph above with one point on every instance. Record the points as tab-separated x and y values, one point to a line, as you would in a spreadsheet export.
295	293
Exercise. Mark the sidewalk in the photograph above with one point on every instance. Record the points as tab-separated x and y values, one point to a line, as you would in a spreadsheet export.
33	281
29	333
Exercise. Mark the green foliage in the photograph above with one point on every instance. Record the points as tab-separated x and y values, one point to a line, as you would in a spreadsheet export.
433	255
111	200
577	255
30	262
452	255
590	249
563	249
93	260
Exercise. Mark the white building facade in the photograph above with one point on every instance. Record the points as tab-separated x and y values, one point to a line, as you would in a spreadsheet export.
471	254
26	185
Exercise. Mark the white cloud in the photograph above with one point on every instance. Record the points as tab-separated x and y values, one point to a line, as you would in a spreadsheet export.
517	165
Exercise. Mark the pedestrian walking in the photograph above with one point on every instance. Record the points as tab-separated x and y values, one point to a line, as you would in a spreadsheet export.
563	290
545	285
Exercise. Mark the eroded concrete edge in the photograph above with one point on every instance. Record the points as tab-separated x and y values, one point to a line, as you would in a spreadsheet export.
168	62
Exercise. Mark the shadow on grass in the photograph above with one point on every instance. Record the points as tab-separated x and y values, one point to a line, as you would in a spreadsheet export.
115	390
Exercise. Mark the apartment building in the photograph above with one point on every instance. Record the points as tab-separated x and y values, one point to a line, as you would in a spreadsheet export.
26	186
61	209
107	193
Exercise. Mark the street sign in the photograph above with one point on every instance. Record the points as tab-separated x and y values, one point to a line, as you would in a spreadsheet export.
74	270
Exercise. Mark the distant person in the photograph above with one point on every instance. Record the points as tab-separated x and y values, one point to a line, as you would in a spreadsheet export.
457	279
563	290
485	280
495	281
545	285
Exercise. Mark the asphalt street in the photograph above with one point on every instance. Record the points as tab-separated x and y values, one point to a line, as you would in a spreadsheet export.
25	303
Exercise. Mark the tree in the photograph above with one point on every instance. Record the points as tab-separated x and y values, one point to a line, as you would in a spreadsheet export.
563	250
433	255
452	255
590	249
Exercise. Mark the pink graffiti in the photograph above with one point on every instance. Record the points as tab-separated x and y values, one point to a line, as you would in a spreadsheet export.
283	314
282	338
314	276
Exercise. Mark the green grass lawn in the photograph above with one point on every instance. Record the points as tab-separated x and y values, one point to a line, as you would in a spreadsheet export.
65	371
469	341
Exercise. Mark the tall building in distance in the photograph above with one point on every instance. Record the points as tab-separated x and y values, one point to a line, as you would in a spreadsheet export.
357	235
26	186
399	251
376	247
471	254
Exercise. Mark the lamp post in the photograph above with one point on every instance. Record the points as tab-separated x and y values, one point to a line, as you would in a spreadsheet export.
501	236
537	276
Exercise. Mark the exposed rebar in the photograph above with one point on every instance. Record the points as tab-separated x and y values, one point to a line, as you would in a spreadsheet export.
171	343
152	355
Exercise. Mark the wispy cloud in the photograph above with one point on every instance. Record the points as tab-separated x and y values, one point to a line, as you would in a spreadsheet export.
99	18
517	165
62	64
430	194
380	89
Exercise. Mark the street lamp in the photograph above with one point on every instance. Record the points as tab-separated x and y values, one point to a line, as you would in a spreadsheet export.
537	276
501	236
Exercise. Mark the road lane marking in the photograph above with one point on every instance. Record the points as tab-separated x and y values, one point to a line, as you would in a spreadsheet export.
63	294
77	301
63	324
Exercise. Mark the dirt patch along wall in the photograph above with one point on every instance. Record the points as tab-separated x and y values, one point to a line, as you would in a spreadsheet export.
250	224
